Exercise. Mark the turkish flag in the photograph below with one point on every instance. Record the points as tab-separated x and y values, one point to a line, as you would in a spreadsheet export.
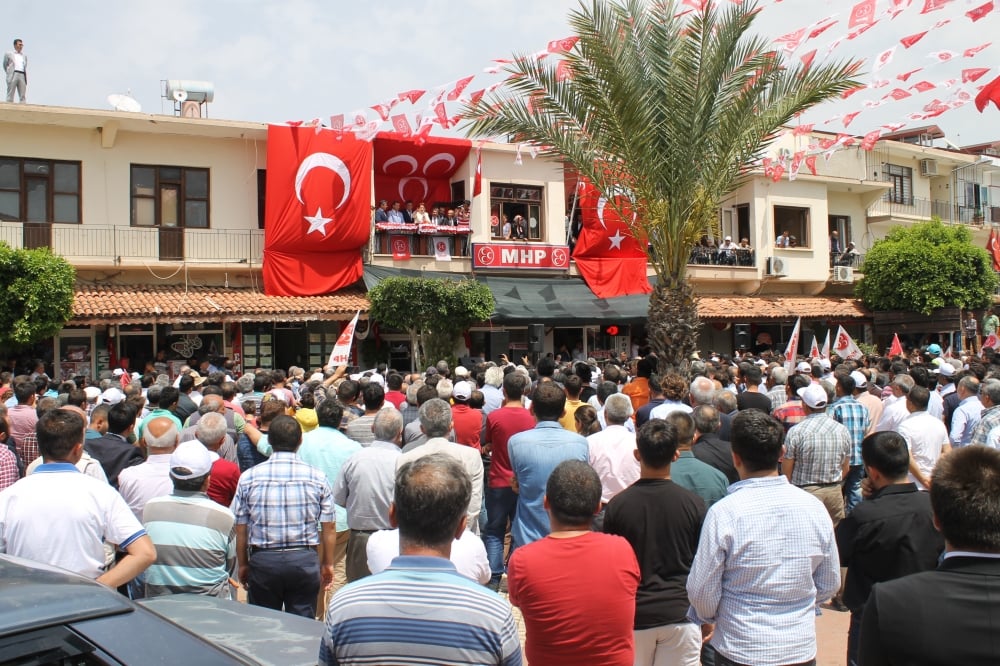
974	74
979	12
318	210
562	45
477	186
989	93
994	247
610	259
896	349
933	5
910	40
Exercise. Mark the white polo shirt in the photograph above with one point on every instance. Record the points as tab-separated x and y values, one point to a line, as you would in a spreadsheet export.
468	554
926	437
61	517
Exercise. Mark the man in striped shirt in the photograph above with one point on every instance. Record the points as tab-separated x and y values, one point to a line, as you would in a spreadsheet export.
420	609
194	535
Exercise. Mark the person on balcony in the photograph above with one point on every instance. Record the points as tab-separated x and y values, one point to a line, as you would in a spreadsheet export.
506	228
395	214
408	213
436	217
382	212
420	216
784	240
849	256
520	231
727	251
834	242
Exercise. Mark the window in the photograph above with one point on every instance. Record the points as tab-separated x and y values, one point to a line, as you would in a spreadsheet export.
842	225
509	201
795	221
902	183
39	190
165	196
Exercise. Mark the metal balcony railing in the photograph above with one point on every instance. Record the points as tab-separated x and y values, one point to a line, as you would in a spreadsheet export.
702	256
925	209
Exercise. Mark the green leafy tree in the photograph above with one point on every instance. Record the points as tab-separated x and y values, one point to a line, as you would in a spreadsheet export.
435	312
36	299
925	267
674	109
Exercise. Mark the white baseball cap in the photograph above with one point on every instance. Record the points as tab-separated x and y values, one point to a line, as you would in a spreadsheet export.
859	379
462	390
813	395
804	367
111	397
191	460
92	392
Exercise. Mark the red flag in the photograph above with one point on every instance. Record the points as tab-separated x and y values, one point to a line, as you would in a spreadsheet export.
989	93
897	347
850	91
562	45
994	247
337	122
897	7
401	125
972	51
870	139
460	85
906	75
477	185
823	26
933	5
563	72
318	216
909	41
807	58
923	86
412	95
863	13
384	109
441	114
476	96
400	247
849	118
979	12
610	259
811	164
415	168
974	74
801	130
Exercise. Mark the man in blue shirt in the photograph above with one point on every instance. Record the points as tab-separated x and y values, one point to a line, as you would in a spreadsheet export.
774	546
533	455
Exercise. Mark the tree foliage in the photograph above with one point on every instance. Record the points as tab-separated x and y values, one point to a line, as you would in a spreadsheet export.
36	297
925	267
434	311
669	106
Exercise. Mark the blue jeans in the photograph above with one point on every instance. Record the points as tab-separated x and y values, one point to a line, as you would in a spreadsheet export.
852	487
501	504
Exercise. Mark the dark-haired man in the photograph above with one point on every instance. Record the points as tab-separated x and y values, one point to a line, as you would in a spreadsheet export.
752	398
360	429
568	579
664	543
165	406
61	517
774	546
279	504
888	536
852	415
690	472
708	446
533	455
926	437
637	390
948	615
22	419
421	607
113	449
195	535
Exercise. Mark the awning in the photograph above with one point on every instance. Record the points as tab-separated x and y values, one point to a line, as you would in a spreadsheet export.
152	304
569	301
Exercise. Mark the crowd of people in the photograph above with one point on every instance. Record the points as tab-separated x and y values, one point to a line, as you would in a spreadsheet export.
633	516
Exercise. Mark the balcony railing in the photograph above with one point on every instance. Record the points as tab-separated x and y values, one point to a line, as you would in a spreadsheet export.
925	209
124	244
854	260
711	256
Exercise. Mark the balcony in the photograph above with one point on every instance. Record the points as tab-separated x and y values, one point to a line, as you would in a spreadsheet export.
710	256
87	243
925	209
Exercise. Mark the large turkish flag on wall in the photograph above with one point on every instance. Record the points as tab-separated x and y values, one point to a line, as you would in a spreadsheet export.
610	259
318	212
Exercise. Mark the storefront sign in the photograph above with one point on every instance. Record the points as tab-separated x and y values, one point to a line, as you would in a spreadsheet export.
520	256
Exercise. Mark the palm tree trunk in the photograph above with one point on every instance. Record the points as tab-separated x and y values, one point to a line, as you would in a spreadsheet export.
673	325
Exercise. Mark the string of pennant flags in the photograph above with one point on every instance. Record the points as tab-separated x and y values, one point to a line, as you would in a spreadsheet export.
418	112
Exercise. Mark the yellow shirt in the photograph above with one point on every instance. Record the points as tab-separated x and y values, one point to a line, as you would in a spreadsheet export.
568	419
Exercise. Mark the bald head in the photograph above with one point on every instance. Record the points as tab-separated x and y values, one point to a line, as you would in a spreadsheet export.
211	403
160	434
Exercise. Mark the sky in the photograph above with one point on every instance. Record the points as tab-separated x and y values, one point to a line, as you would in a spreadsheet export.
304	59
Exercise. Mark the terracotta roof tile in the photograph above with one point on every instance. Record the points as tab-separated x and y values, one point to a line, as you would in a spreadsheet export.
775	307
134	304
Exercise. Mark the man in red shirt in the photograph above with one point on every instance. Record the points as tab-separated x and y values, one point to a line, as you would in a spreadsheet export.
575	588
467	422
395	393
501	500
211	431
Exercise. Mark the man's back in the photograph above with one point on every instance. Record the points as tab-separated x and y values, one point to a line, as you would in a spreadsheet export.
327	449
114	454
577	596
501	425
141	483
364	486
766	558
533	455
420	608
360	429
699	477
945	616
718	453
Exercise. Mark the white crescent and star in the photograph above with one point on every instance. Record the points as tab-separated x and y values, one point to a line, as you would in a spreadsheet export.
317	222
406	159
616	240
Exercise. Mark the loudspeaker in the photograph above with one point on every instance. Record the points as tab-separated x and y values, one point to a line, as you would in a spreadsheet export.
536	337
741	336
499	344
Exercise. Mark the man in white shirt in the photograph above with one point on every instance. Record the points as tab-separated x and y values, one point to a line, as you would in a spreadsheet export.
61	517
925	435
143	482
612	450
15	65
468	554
894	412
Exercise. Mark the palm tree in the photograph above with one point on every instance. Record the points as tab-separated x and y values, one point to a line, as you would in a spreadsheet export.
675	107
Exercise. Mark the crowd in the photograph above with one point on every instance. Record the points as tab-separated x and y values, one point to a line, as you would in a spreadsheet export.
633	516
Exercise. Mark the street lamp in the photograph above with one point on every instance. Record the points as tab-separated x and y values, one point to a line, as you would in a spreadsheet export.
954	178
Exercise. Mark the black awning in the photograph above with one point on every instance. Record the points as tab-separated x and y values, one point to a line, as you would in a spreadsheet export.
551	300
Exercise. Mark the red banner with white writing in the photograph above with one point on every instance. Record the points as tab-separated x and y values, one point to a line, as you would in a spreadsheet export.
519	256
610	259
318	214
406	171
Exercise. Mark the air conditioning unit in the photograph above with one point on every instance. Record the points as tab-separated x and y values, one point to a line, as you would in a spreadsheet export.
776	266
928	168
843	274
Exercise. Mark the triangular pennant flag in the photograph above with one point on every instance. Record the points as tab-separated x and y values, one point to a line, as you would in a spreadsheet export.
979	12
792	348
814	351
845	347
826	345
896	349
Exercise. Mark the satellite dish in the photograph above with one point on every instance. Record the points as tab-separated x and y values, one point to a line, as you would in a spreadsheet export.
124	103
180	96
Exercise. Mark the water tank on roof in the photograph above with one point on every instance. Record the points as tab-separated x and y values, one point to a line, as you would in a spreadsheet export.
183	90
